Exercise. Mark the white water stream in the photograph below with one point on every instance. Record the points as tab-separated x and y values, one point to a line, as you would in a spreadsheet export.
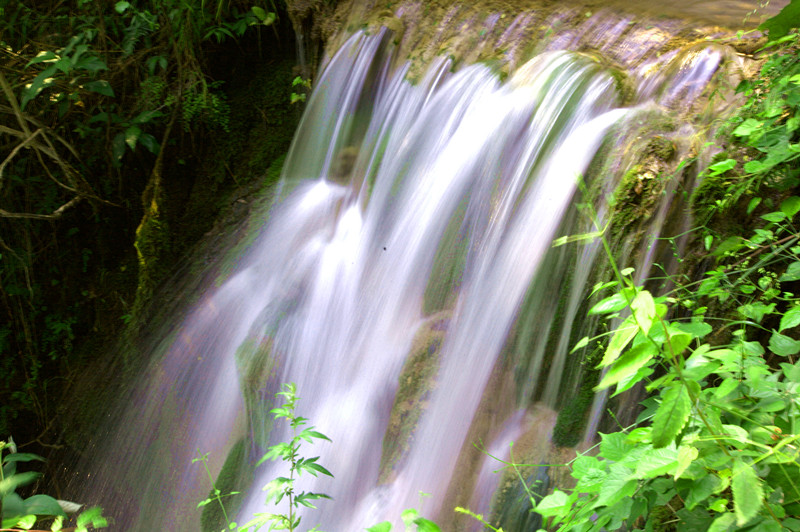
389	185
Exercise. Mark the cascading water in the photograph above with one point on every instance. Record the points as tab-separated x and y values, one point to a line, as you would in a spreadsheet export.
388	285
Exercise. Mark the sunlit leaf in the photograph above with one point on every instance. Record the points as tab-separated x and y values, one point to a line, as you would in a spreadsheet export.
782	345
672	415
628	364
748	494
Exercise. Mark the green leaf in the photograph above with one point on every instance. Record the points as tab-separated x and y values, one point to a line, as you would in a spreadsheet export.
610	304
386	526
746	128
132	136
791	371
702	488
553	504
618	485
755	167
583	342
21	457
686	455
698	329
722	523
42	57
149	142
10	484
722	166
121	6
756	311
657	462
43	80
782	345
748	494
100	86
790	206
118	147
614	446
424	525
776	216
43	505
792	272
672	415
622	337
791	318
780	25
628	364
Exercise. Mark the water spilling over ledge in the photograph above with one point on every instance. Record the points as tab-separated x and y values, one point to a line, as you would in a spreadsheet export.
406	281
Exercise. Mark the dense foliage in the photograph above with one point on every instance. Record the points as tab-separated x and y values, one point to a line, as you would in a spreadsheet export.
92	97
717	446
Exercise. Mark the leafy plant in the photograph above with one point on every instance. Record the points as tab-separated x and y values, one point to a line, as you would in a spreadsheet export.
717	444
282	487
17	513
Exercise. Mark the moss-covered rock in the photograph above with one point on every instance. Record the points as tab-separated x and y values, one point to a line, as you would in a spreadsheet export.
416	381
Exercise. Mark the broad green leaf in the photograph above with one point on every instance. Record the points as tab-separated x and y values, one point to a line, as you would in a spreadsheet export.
755	167
149	142
672	415
776	216
614	446
100	86
791	318
553	504
756	311
792	272
628	364
702	488
790	206
644	309
42	57
43	505
782	345
726	387
622	337
43	80
746	128
722	166
722	523
132	136
791	371
657	462
386	526
424	525
121	6
698	329
755	202
610	304
779	25
629	382
618	485
748	494
686	455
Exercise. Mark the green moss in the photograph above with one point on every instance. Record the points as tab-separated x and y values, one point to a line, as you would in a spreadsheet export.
572	417
234	475
415	383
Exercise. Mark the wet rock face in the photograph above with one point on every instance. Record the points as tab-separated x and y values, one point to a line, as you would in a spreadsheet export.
416	381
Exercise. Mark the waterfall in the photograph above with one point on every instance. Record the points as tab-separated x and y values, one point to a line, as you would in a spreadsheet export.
406	281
